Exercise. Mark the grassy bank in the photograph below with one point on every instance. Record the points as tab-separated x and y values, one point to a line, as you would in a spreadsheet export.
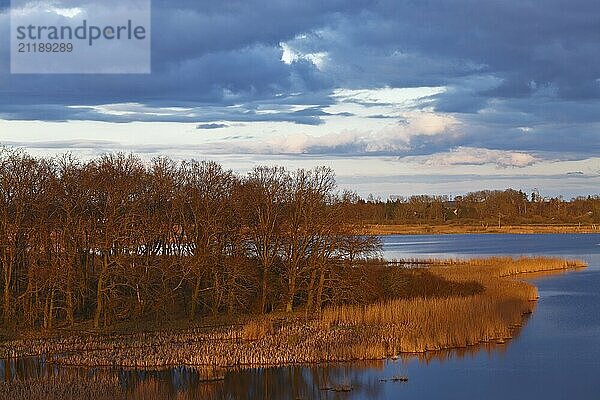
425	229
476	301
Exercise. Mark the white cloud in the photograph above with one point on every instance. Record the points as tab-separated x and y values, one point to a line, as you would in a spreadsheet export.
29	8
137	109
389	139
400	97
291	55
478	156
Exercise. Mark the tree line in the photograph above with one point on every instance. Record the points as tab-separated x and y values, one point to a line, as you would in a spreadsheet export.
115	238
482	207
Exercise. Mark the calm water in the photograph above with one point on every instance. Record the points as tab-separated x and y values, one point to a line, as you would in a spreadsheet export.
555	356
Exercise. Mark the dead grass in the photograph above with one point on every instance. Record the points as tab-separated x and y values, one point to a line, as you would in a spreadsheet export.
257	329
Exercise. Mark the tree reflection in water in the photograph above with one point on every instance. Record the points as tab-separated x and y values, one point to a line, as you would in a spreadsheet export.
20	377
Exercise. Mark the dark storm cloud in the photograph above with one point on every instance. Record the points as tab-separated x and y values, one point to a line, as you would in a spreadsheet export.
123	113
211	126
202	53
381	116
519	74
66	144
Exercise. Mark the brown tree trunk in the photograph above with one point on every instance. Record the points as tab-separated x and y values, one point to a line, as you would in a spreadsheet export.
27	302
311	291
289	307
216	293
319	300
100	291
195	297
49	310
263	294
70	307
6	304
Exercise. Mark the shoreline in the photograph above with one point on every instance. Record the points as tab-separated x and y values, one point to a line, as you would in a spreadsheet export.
415	229
389	329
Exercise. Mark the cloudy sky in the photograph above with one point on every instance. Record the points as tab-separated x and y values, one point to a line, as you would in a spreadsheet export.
399	97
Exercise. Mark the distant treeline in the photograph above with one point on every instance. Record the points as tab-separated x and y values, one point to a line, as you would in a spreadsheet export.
116	239
507	207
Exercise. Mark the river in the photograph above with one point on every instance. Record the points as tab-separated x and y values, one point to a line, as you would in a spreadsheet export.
556	355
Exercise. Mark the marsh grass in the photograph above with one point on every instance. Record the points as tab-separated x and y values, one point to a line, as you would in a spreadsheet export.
257	329
507	266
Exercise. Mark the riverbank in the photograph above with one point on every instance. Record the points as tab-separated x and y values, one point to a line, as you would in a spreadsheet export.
424	229
477	301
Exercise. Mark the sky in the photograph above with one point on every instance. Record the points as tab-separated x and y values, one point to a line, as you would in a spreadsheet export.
399	97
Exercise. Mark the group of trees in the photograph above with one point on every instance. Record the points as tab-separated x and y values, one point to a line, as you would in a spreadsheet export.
116	238
485	207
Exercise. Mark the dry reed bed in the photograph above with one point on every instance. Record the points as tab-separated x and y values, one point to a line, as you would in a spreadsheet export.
342	333
93	342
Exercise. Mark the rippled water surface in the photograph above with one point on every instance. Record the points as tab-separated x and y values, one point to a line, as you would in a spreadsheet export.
555	356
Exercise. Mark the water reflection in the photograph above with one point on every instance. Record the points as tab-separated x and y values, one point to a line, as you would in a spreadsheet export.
365	379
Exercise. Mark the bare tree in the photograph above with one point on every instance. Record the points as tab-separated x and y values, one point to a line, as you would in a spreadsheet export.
116	192
208	189
266	190
310	194
116	238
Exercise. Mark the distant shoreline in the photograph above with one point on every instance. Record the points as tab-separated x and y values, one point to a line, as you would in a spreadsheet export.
414	229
